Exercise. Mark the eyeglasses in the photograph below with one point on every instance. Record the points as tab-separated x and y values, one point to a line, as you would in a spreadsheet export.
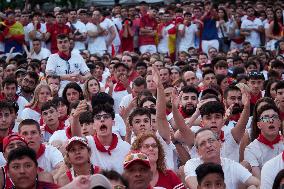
26	80
153	145
105	116
267	119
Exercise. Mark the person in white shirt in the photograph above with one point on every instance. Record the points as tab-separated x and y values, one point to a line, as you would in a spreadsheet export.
48	157
269	143
187	33
79	30
270	170
208	146
96	35
107	150
69	66
39	52
252	27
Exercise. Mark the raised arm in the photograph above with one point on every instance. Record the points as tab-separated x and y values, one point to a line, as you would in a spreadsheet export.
75	124
162	122
239	130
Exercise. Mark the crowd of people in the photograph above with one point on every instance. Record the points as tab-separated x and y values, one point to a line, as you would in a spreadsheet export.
186	95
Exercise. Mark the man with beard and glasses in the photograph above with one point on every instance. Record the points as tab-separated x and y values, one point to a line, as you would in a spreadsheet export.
188	101
28	85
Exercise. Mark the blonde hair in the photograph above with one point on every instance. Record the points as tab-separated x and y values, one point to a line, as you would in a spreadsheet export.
34	101
86	92
137	145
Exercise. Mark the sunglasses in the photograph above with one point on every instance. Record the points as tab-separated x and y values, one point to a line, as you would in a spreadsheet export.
147	146
267	119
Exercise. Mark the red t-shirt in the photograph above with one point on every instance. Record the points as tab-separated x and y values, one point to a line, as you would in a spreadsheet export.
169	180
127	43
54	30
148	23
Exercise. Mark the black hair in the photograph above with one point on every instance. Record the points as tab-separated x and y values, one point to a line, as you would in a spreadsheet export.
212	107
62	35
9	80
86	117
220	78
58	100
189	89
277	64
113	175
103	108
268	86
100	64
29	122
139	81
278	179
140	63
147	98
230	88
279	85
47	105
5	104
33	75
20	153
52	77
208	168
102	98
248	63
208	96
144	92
206	72
139	111
75	86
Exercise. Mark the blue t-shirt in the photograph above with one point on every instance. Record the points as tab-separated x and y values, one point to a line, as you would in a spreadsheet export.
210	31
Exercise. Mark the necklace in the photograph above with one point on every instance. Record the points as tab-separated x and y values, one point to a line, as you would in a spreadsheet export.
91	171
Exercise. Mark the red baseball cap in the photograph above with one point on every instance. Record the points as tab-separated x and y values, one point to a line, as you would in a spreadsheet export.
10	138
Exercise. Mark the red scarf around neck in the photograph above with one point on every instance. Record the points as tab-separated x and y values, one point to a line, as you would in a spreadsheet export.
254	98
119	87
283	155
68	132
40	151
60	127
101	147
222	136
64	56
235	117
184	115
268	143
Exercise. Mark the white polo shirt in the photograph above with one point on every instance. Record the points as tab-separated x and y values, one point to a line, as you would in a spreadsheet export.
254	37
43	54
50	159
106	161
269	171
234	172
60	67
257	153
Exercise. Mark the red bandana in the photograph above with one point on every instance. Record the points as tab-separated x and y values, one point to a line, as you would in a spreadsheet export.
68	132
64	56
270	144
60	127
168	111
63	118
222	136
101	147
119	87
282	115
283	155
254	98
251	18
184	115
3	97
235	117
40	151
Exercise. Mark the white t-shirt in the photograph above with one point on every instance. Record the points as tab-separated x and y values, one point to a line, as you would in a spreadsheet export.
29	113
97	44
59	135
234	172
43	54
117	97
81	27
188	39
119	127
257	153
58	66
30	27
126	100
2	160
269	171
106	161
50	159
254	37
163	46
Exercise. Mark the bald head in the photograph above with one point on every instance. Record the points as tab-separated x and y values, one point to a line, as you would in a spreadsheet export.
190	78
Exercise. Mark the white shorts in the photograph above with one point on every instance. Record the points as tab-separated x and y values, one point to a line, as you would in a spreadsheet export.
148	48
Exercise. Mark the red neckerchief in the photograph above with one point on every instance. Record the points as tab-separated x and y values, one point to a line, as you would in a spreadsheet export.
119	87
283	155
63	118
40	151
251	18
64	56
281	114
168	111
235	117
68	132
133	76
60	127
268	143
101	147
38	26
37	109
222	136
103	18
3	97
281	52
8	181
184	115
254	98
150	187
